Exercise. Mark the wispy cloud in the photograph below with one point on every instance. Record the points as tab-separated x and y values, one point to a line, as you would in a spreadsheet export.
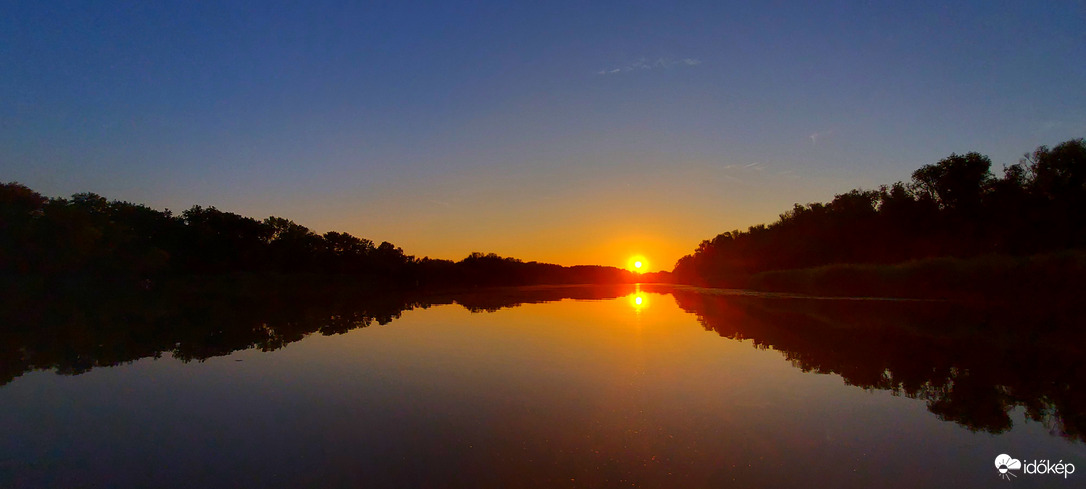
744	173
645	64
755	166
816	136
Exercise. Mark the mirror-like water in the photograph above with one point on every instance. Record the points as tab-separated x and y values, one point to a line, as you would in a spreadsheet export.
645	387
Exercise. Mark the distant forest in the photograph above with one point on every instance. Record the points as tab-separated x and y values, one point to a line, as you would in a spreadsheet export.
955	208
87	237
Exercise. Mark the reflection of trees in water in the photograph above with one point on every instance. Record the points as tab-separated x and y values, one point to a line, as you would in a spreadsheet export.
76	332
971	365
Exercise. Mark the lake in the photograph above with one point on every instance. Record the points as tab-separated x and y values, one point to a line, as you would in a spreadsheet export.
620	386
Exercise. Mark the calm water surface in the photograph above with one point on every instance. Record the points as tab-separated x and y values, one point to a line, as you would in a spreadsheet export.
649	389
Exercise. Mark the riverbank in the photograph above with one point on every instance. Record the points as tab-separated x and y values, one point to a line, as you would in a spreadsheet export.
1054	277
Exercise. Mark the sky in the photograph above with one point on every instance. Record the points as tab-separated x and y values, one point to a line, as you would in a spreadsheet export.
565	132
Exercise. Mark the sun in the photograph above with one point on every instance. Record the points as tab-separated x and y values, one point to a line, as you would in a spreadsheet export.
637	264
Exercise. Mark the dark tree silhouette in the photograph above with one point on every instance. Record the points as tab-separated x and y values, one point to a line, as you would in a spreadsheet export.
88	238
953	208
956	183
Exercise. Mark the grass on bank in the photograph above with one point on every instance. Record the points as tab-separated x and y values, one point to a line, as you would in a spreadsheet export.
1055	277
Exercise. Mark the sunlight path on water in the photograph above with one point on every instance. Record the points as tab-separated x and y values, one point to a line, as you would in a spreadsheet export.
600	393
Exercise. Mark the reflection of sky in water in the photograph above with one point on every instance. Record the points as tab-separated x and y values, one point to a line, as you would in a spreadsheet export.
582	393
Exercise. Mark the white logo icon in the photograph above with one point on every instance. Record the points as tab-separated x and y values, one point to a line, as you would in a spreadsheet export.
1005	464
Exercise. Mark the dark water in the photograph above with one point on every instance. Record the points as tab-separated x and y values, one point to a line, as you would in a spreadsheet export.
545	387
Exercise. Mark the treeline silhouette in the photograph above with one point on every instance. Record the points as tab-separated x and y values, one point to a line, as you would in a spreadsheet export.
953	208
971	365
87	237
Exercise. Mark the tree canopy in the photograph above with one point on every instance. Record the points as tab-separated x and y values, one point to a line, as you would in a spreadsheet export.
955	207
88	235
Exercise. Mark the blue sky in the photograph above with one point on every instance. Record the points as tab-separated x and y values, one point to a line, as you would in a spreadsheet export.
571	132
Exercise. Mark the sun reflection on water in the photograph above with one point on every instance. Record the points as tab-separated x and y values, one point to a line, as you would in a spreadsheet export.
639	300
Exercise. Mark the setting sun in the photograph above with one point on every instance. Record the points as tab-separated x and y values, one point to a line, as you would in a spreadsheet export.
638	264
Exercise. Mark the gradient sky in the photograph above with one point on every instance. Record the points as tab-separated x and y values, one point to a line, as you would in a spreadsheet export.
568	132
